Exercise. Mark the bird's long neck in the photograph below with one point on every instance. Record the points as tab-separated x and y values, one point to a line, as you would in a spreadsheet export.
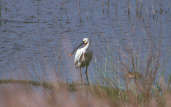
86	46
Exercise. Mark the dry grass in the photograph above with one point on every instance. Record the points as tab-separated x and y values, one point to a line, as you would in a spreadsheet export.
21	93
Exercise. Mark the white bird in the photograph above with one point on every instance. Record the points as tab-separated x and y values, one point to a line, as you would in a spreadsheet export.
83	56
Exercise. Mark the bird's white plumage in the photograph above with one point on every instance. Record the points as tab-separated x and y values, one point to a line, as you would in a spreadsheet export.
80	53
83	57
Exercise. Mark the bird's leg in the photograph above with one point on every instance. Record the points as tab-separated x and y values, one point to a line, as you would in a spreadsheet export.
81	76
87	74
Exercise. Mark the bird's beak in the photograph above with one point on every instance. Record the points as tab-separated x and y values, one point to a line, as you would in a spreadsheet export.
76	48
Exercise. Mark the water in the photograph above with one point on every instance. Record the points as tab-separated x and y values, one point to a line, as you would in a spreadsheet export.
37	35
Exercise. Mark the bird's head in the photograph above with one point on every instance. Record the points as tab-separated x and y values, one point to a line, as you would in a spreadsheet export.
84	42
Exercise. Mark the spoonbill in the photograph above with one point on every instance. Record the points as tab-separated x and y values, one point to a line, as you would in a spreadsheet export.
83	56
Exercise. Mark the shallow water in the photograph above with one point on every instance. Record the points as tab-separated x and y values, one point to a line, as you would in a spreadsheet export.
37	35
